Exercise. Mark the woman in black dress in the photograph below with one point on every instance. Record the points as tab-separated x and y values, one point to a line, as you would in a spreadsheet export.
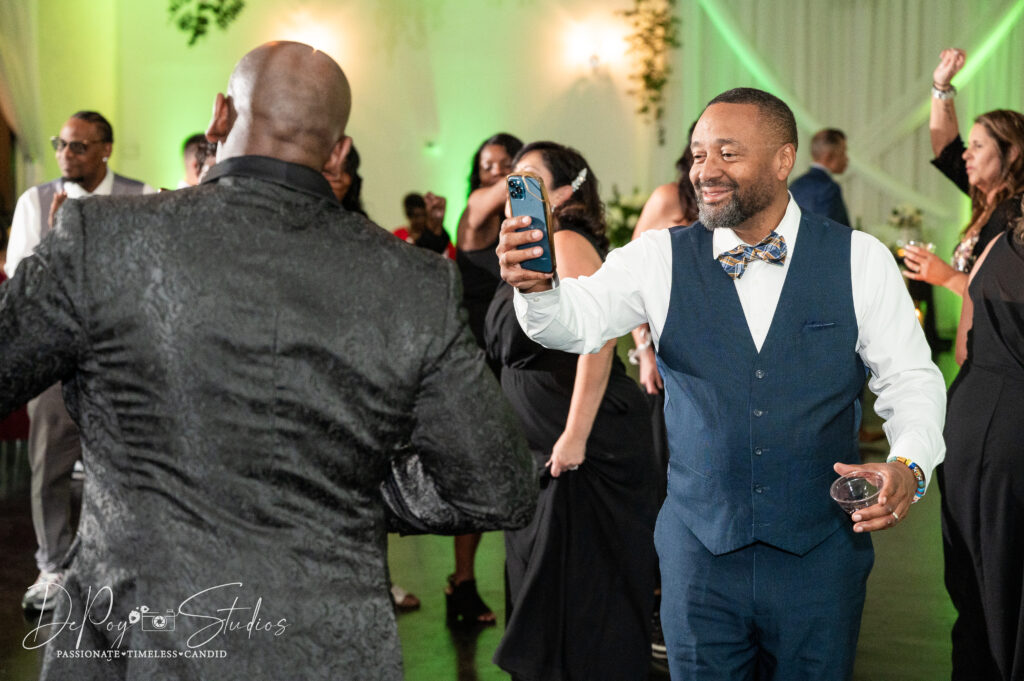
990	169
476	239
581	576
982	478
983	474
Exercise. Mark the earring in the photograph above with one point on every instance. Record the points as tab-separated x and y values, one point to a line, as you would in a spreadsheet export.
105	159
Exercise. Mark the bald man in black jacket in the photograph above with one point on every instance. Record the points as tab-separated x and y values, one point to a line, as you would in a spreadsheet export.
249	391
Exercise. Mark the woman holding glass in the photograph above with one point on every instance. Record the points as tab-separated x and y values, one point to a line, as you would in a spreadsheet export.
989	169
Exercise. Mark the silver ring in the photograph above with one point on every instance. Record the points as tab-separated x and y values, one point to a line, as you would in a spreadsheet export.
896	516
574	468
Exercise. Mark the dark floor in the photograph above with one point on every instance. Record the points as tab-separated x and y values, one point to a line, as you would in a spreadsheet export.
904	634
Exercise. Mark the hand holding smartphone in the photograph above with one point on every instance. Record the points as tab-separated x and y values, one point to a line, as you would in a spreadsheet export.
527	197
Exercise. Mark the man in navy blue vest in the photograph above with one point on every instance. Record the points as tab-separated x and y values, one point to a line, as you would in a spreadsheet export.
815	191
83	148
764	320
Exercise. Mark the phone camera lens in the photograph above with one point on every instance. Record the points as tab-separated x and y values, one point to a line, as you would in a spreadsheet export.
516	189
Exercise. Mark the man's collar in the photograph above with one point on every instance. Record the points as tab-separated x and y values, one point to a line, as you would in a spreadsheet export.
274	170
75	190
723	240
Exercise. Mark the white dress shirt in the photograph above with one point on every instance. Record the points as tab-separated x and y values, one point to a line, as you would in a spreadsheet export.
634	285
25	231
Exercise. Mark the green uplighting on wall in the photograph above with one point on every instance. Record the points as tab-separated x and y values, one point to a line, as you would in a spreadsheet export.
749	59
993	40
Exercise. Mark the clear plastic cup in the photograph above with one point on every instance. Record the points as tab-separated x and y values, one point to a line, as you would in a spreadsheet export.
857	490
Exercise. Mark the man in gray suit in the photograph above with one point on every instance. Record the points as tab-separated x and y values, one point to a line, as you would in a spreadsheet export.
83	148
250	389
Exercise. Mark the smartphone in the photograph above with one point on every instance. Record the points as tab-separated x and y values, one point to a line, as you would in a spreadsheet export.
526	196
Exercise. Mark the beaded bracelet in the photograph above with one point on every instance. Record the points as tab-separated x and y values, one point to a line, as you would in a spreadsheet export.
918	474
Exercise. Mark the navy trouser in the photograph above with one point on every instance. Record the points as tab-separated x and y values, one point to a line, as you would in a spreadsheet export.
760	613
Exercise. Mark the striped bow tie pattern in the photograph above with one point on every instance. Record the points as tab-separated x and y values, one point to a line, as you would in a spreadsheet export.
772	249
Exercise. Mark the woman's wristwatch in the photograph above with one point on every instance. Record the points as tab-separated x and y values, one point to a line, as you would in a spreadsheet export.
949	92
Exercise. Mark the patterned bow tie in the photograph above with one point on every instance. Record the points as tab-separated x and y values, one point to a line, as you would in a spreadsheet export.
772	249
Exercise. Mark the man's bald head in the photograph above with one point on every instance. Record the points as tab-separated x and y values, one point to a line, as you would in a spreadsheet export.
285	100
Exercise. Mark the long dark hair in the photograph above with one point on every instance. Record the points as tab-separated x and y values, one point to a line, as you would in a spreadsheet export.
353	199
684	188
584	208
512	145
1007	129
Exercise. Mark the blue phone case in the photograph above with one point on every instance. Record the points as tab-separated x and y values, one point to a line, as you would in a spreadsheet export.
527	196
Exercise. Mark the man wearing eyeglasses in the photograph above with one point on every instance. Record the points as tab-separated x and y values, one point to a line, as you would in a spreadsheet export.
83	148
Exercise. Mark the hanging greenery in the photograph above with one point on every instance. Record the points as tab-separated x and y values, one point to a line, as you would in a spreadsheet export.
193	17
655	34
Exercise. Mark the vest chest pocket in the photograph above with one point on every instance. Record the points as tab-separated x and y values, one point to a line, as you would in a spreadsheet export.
824	347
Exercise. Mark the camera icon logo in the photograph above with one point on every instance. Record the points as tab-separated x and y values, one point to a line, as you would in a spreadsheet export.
152	621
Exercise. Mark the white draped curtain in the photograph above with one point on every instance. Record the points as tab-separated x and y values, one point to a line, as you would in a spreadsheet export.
19	87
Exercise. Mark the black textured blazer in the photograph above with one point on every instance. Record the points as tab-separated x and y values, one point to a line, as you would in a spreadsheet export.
247	361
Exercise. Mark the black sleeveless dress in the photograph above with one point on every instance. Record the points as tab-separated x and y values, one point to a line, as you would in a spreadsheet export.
982	478
581	576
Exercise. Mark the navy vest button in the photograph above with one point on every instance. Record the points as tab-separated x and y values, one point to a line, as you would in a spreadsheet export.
757	452
759	489
759	412
759	373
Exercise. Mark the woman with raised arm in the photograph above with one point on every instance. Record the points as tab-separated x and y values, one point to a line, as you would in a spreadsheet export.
990	169
581	576
476	239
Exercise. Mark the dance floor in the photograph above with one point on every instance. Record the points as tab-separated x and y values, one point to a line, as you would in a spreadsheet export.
904	634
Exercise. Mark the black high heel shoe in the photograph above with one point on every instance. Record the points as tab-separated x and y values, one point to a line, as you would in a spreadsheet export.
463	604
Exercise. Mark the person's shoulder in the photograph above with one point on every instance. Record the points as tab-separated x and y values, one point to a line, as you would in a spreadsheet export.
661	210
36	189
809	177
693	232
866	245
665	194
118	177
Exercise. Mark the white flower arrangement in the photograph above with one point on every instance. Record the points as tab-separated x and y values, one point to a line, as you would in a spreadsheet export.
621	214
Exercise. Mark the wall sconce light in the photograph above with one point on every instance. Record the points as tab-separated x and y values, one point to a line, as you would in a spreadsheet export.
595	45
304	26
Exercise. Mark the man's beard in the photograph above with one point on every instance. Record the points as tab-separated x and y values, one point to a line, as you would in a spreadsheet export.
742	204
78	179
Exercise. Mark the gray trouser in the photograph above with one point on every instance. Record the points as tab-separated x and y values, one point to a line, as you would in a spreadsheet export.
53	449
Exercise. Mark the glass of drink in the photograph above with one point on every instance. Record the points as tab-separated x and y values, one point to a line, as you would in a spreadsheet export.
857	490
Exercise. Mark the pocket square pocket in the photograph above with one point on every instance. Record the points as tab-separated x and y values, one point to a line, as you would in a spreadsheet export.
817	326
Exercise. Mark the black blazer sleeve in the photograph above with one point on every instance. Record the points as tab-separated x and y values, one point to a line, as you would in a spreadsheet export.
469	468
41	317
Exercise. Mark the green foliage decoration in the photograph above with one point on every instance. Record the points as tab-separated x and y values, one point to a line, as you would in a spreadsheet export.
193	17
655	33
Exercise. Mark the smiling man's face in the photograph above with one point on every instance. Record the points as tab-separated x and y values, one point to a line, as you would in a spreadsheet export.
733	168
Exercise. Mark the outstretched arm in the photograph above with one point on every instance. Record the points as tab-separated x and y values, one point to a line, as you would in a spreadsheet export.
484	207
581	315
943	123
